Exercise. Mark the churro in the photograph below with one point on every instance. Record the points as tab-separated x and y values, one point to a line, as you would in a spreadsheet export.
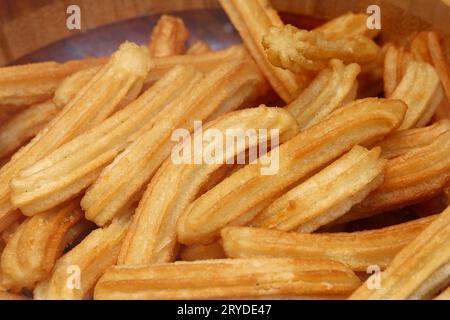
33	83
357	250
420	270
327	195
228	279
421	91
74	166
396	60
410	178
332	88
253	19
21	128
76	273
152	235
33	249
302	51
240	197
401	142
168	37
221	91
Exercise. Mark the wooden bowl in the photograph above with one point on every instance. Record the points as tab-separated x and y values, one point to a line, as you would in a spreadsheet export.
36	30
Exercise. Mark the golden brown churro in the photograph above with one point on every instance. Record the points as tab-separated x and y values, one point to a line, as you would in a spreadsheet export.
254	19
100	98
357	250
396	60
332	88
74	166
20	129
76	273
421	91
420	270
327	195
219	92
168	37
33	83
228	279
417	175
152	235
302	51
33	249
240	197
401	142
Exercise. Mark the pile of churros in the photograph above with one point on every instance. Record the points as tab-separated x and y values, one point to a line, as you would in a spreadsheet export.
93	204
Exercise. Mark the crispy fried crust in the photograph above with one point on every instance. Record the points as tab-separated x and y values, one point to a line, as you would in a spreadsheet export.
152	236
228	279
21	128
33	83
357	250
240	197
332	87
415	176
74	166
327	195
34	247
421	91
101	97
168	37
96	253
219	92
347	25
419	270
253	19
302	51
401	142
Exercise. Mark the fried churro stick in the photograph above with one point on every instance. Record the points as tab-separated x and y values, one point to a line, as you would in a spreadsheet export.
347	25
421	91
96	253
33	249
253	19
228	279
332	88
240	197
357	250
74	166
202	252
301	50
396	60
33	83
23	127
415	176
100	98
73	84
327	195
198	48
420	270
426	47
401	142
152	235
219	92
168	37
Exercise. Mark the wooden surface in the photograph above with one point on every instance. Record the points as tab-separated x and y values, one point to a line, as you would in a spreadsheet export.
28	25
